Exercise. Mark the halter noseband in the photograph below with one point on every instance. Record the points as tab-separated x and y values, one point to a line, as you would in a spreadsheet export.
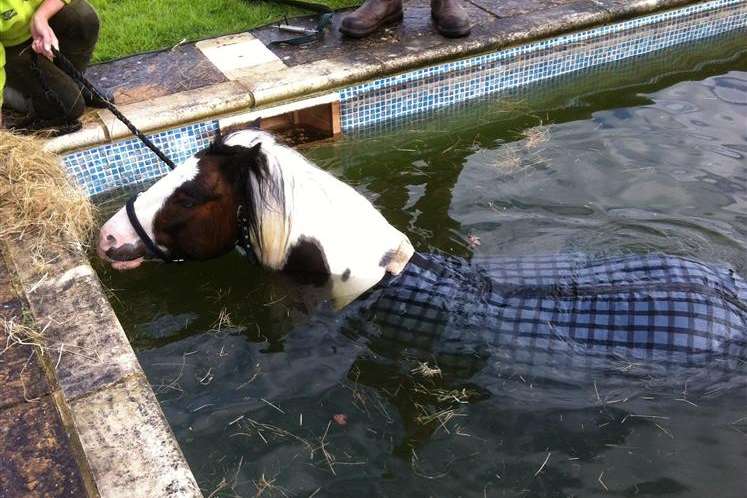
144	237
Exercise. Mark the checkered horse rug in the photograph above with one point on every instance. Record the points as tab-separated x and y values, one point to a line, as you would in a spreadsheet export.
567	311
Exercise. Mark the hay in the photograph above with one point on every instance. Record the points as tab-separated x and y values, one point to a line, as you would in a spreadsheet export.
20	333
37	198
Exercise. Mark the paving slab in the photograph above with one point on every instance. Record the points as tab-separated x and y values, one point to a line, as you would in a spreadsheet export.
86	360
146	76
416	34
123	443
124	421
36	458
22	378
239	55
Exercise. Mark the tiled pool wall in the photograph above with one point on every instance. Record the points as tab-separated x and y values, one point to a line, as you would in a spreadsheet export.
373	103
458	81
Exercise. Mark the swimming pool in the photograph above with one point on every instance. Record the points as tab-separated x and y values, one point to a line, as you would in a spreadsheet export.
265	395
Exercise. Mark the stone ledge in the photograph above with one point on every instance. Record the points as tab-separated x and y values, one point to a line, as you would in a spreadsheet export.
129	444
82	332
103	394
158	114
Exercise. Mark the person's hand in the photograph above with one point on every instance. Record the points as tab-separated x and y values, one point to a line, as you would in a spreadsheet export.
43	36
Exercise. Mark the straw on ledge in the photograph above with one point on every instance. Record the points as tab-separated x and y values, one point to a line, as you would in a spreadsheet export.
37	198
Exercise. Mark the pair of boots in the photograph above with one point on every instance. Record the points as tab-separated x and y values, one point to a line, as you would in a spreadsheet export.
449	17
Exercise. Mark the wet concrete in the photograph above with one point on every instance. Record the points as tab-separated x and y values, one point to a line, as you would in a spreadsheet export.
416	33
36	454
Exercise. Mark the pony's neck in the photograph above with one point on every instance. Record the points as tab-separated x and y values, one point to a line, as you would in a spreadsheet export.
356	243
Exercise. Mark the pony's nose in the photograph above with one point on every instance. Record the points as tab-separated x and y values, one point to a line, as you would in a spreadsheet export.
107	240
125	252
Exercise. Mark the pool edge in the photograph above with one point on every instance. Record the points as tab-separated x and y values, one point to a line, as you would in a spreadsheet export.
103	396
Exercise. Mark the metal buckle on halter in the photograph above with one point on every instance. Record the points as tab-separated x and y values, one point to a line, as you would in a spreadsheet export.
144	237
243	245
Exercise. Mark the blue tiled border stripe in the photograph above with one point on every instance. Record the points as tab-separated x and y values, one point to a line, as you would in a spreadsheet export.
111	166
446	84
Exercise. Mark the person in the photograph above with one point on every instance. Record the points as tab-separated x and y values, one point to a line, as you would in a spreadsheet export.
449	18
36	86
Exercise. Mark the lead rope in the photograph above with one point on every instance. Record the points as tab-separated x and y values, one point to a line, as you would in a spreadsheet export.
49	94
67	67
81	80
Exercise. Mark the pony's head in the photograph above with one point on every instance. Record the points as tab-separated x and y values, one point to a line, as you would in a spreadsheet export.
293	216
191	213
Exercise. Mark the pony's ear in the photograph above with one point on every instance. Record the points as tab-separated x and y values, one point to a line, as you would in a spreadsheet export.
246	160
254	125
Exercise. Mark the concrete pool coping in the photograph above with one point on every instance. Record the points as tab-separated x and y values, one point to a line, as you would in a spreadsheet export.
268	81
108	408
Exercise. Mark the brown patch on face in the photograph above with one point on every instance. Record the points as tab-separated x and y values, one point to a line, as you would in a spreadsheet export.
198	221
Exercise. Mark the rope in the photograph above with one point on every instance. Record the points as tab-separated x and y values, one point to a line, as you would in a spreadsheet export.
65	65
49	94
81	80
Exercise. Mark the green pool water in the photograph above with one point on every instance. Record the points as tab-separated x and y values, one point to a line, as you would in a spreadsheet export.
267	397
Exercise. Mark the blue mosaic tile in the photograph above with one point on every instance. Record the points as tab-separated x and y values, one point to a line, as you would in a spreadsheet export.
454	82
119	164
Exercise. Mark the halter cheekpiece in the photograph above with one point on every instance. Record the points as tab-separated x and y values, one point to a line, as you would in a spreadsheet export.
144	237
244	241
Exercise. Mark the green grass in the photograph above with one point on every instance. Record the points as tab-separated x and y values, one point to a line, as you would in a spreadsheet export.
134	26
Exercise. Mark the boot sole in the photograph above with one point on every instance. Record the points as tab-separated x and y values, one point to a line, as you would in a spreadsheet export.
454	33
450	33
390	19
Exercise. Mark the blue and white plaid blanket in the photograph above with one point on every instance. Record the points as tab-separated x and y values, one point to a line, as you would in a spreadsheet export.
533	310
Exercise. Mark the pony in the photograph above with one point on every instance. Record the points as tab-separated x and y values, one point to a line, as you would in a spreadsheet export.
248	191
294	217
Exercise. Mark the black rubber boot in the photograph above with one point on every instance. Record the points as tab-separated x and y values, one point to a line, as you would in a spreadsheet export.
370	16
449	18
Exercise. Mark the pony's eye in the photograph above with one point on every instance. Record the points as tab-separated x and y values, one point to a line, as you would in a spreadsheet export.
185	200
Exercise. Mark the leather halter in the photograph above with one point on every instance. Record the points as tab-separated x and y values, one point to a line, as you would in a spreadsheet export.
243	242
144	237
